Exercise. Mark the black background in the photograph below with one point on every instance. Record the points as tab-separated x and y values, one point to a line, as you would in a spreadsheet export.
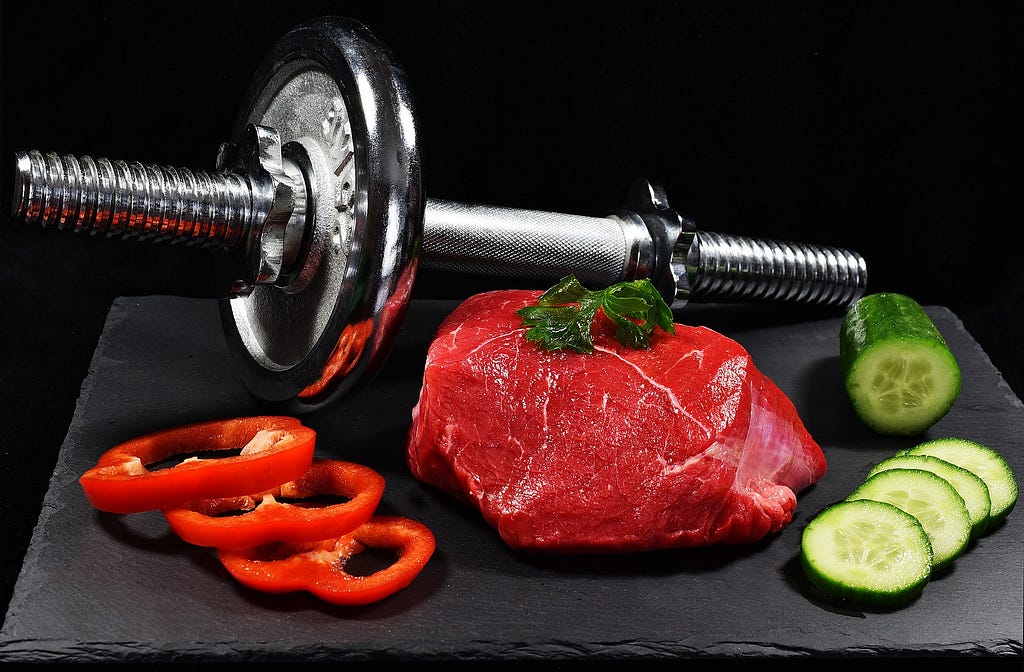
887	128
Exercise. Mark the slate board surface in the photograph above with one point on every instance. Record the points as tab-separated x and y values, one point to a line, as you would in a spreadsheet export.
96	587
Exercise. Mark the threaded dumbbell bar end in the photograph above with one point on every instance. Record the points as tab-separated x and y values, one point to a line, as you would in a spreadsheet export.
132	200
737	268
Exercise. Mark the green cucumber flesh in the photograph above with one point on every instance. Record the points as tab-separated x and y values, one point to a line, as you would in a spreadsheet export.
899	373
929	498
987	463
867	551
968	484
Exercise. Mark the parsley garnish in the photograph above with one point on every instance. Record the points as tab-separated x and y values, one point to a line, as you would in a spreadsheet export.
563	314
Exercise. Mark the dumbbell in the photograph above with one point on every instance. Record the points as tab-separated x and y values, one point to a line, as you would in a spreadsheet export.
317	214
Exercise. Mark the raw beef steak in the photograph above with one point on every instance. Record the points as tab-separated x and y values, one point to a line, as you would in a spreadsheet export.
682	444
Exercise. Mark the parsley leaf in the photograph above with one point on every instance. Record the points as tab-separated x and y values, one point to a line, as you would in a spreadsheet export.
563	314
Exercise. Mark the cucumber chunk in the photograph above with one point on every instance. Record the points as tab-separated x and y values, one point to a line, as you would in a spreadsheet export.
968	484
988	464
929	498
867	551
899	373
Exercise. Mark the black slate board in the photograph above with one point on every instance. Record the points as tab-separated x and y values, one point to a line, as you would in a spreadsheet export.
96	587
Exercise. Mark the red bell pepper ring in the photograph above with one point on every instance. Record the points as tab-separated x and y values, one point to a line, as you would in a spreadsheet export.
319	567
262	519
274	450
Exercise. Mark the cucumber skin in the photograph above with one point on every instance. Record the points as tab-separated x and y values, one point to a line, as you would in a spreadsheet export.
887	317
880	317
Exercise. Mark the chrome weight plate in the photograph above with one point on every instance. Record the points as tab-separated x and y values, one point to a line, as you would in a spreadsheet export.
341	107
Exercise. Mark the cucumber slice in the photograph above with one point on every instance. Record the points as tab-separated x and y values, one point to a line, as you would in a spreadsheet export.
929	498
971	487
867	551
899	374
988	464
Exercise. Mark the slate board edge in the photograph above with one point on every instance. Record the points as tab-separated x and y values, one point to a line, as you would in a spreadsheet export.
51	502
1011	396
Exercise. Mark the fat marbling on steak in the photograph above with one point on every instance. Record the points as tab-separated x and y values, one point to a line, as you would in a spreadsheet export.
685	443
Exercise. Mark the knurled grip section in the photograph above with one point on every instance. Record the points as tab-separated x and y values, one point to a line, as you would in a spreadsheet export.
519	243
